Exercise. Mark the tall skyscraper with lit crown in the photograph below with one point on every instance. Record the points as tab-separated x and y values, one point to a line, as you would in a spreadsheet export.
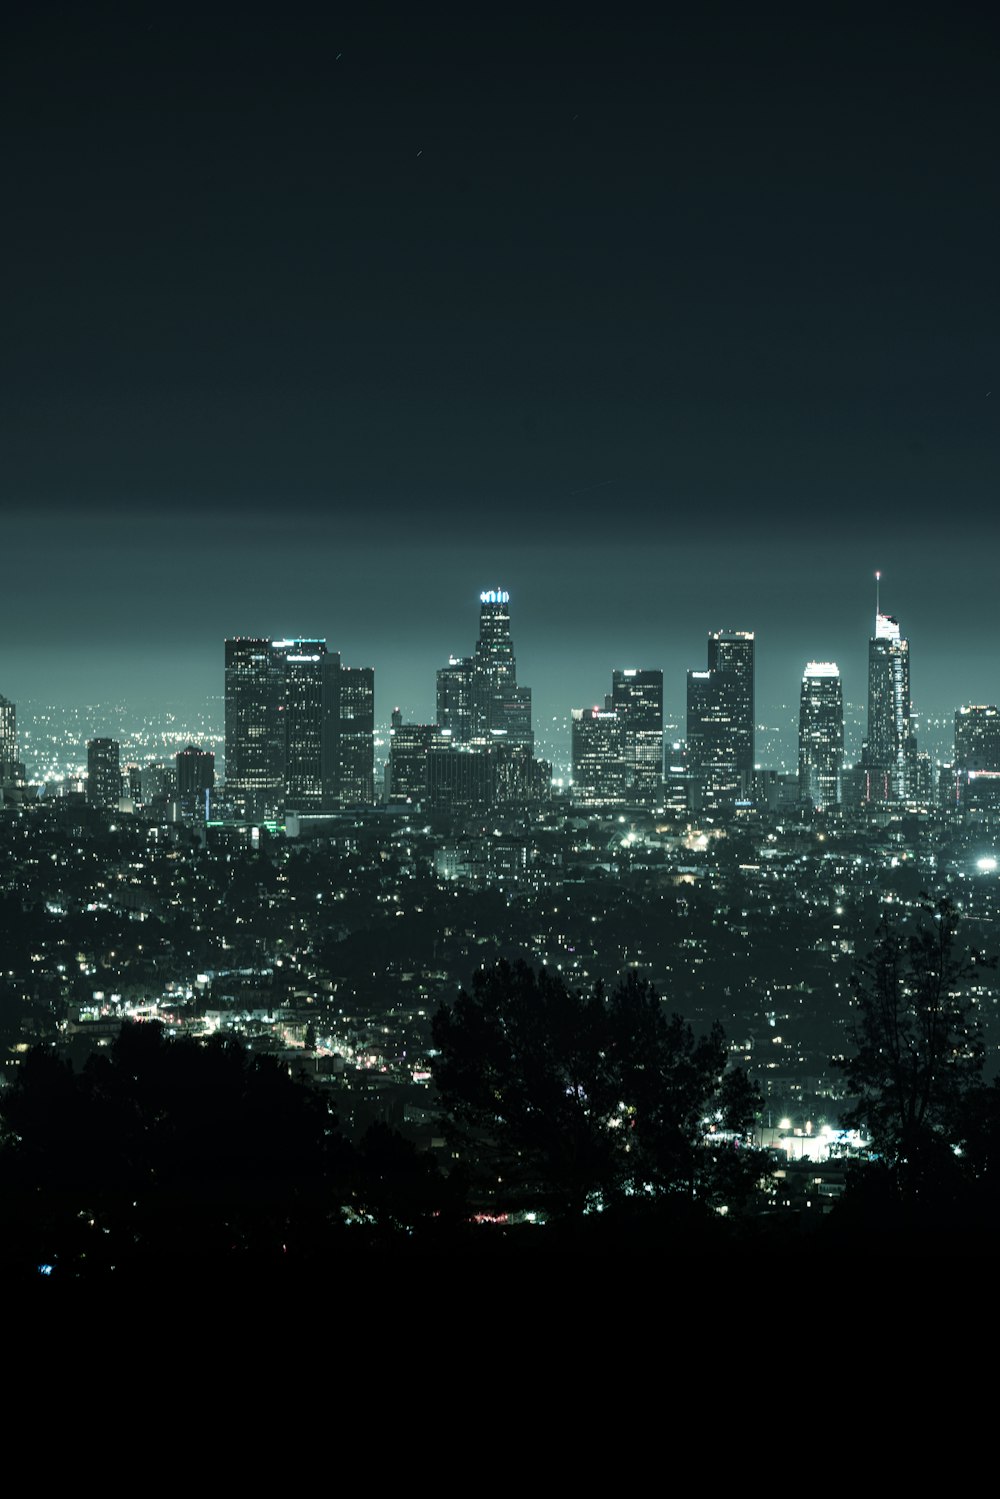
478	697
889	754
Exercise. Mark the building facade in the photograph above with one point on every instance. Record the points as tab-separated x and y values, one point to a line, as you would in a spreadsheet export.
637	698
356	737
889	753
976	771
601	771
255	727
302	722
478	697
11	770
194	771
104	775
720	722
821	735
300	728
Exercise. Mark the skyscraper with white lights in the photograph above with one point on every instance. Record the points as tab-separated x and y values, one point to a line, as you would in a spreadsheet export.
821	735
889	754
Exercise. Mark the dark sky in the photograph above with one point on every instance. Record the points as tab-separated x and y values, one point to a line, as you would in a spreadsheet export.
319	324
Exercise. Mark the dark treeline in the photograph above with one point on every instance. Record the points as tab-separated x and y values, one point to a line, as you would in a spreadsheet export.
589	1122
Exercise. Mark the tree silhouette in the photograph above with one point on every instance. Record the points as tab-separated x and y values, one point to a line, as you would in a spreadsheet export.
166	1152
563	1101
918	1046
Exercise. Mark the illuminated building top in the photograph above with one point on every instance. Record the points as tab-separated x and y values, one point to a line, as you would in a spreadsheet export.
494	596
822	669
886	628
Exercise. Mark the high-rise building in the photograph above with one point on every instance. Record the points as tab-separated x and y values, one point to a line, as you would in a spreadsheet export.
821	735
356	749
194	770
158	782
300	727
637	698
302	710
406	770
104	777
495	671
889	754
454	698
11	770
975	781
255	727
479	699
977	738
720	722
481	712
8	731
733	652
601	771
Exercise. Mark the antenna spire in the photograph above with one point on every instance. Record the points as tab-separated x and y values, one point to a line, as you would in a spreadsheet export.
878	579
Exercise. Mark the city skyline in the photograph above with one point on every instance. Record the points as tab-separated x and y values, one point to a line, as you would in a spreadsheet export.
682	325
294	688
666	342
397	686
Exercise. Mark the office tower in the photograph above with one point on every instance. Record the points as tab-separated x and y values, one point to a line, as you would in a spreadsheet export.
977	738
158	783
495	672
330	670
255	728
8	732
479	699
821	735
720	722
11	770
976	774
454	698
194	770
888	756
482	777
406	769
676	781
733	652
601	772
104	777
300	727
481	752
356	751
637	698
132	782
302	711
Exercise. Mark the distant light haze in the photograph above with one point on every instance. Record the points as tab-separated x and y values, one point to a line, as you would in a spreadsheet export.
320	327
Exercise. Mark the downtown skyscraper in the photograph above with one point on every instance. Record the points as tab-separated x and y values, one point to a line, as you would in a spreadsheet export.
255	726
618	750
300	728
478	697
889	753
821	735
637	697
720	721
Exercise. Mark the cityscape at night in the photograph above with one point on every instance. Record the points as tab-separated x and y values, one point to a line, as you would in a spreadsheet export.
499	744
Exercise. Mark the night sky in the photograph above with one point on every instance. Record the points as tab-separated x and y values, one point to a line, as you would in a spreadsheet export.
321	324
